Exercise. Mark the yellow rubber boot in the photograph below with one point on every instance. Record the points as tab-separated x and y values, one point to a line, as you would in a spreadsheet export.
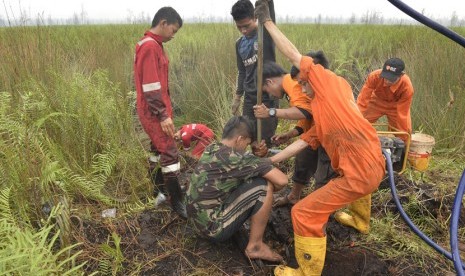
360	215
310	253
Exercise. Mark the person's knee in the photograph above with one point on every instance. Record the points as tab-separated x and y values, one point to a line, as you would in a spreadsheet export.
260	182
363	186
298	212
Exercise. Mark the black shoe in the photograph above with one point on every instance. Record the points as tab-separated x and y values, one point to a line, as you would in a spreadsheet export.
176	196
158	182
179	208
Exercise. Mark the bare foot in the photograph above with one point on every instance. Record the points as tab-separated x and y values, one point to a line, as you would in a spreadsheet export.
262	251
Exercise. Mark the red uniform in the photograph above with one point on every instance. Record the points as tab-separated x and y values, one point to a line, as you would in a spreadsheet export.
153	98
196	132
351	143
377	99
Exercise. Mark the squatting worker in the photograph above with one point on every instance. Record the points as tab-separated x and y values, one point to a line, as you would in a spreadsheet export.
229	186
309	162
389	92
247	57
199	136
350	141
154	102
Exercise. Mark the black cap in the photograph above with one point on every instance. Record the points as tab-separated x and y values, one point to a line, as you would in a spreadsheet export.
393	69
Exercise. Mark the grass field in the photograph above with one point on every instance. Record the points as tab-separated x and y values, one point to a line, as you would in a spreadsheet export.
69	145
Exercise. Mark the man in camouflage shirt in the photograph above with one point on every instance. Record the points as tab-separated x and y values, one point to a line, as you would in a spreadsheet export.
229	186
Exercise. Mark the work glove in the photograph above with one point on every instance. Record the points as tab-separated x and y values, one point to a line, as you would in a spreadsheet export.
235	105
262	11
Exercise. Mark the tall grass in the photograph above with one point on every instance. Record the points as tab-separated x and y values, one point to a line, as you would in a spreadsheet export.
203	73
203	65
67	131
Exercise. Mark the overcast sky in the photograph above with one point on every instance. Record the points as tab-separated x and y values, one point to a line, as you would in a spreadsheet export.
122	9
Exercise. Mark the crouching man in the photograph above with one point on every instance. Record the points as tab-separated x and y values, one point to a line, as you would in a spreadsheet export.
229	186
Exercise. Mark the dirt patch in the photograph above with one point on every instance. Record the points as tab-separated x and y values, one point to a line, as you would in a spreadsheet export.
157	242
175	250
343	256
432	201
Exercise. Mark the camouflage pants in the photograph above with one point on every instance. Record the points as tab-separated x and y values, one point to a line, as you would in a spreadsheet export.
241	204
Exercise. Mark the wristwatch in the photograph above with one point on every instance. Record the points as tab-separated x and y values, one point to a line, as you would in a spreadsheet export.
272	112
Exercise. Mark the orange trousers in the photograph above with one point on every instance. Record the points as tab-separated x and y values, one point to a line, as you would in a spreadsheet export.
359	177
397	119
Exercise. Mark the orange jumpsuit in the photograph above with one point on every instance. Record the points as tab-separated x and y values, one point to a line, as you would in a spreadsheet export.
298	99
351	143
377	99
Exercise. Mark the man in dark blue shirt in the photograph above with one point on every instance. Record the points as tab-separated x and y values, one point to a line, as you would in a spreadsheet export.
246	53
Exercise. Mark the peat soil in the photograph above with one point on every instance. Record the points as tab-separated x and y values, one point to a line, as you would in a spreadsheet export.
158	242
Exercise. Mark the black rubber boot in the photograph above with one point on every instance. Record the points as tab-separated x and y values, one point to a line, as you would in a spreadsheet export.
176	197
156	177
158	181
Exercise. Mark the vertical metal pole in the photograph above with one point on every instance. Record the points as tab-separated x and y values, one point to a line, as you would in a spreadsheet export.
259	78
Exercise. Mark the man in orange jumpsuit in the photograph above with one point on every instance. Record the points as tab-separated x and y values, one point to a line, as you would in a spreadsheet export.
350	141
154	102
389	92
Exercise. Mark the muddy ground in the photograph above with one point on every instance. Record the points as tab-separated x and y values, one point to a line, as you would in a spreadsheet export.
157	242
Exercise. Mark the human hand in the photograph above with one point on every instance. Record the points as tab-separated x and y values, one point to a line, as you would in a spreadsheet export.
279	139
168	127
259	149
260	111
235	105
262	11
177	136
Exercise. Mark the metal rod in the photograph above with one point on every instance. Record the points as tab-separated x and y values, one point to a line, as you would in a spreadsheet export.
259	77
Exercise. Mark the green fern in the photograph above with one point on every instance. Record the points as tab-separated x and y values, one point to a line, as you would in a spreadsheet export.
6	213
137	206
105	267
112	263
26	251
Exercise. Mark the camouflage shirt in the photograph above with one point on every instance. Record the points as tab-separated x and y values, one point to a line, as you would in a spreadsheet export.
220	171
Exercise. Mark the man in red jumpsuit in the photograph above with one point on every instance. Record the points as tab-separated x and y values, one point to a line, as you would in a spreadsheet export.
350	141
389	92
154	102
199	134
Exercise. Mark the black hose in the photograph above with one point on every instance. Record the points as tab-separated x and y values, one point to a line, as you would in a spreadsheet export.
454	225
405	216
428	22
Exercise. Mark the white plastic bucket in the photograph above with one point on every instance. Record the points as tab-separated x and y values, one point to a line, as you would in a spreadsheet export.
421	146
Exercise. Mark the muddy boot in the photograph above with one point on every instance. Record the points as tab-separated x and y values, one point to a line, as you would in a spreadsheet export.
360	215
310	253
175	193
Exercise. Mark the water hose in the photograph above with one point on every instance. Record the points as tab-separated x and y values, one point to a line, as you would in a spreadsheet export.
454	225
409	221
461	187
428	22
